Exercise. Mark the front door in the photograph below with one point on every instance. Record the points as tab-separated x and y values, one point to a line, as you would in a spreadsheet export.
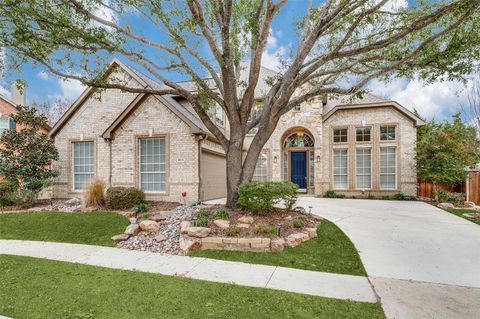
298	171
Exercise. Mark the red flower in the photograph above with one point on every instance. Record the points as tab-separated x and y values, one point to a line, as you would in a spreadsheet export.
184	194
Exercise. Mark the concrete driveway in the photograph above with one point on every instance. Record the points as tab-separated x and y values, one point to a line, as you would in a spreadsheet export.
422	261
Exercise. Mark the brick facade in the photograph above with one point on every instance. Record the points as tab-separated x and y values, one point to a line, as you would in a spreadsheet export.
116	157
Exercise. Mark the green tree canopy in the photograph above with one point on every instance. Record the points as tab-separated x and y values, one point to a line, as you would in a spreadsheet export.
445	150
27	152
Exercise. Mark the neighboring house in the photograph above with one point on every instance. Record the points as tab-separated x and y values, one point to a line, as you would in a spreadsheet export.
7	109
159	144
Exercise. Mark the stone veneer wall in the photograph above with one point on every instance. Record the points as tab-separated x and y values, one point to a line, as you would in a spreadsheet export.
310	118
242	244
373	117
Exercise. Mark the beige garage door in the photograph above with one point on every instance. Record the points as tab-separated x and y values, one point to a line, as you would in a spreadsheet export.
213	173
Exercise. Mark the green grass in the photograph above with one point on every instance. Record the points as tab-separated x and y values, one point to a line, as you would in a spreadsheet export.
331	251
94	228
460	212
37	288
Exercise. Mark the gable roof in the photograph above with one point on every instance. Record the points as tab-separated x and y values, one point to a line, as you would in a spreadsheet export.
367	101
8	101
193	122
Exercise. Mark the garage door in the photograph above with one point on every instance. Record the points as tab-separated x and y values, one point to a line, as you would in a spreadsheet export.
213	173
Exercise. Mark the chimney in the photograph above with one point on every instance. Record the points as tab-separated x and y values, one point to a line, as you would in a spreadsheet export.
324	99
18	93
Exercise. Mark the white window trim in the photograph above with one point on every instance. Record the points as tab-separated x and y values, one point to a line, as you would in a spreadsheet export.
333	170
140	164
395	186
371	169
73	164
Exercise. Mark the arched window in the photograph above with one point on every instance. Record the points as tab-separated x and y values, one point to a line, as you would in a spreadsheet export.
298	140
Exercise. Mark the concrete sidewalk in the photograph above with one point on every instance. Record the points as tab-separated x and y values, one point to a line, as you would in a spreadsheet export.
294	280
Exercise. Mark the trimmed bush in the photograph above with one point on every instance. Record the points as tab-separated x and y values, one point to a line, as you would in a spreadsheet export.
140	208
446	197
298	223
260	197
124	197
333	194
94	194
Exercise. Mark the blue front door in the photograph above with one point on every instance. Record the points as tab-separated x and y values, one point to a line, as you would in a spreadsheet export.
298	169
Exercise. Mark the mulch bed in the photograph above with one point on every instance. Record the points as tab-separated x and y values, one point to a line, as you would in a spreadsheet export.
278	217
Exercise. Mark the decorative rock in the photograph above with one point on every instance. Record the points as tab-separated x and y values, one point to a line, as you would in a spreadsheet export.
469	204
223	224
317	218
73	202
90	209
133	220
120	238
160	238
187	244
132	229
158	218
246	220
277	245
312	232
472	215
199	232
246	226
445	205
131	215
295	239
149	226
184	226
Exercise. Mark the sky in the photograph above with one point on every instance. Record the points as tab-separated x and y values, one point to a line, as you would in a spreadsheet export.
438	100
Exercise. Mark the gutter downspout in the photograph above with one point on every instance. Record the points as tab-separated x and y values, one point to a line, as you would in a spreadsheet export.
109	142
201	137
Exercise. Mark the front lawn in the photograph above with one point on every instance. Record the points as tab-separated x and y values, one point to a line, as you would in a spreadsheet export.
38	288
331	251
94	228
460	212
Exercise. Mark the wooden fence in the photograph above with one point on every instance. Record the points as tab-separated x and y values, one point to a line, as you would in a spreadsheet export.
471	188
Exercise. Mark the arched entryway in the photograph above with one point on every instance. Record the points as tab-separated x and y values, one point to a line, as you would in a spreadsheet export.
298	158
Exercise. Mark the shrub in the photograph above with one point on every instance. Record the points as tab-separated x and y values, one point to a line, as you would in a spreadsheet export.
298	222
202	218
221	214
446	197
140	208
8	188
333	194
386	197
269	231
260	197
370	196
124	197
232	231
94	194
399	196
300	210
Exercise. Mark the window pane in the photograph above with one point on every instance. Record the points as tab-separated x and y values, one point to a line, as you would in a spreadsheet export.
340	135
364	168
363	134
152	164
340	169
261	169
387	133
83	164
388	167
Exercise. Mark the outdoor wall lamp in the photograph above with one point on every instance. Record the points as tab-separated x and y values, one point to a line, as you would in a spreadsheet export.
275	158
318	158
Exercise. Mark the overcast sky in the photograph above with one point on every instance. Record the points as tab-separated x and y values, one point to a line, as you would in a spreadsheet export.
439	100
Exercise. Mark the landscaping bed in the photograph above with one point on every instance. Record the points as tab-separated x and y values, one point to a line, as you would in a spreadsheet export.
37	288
